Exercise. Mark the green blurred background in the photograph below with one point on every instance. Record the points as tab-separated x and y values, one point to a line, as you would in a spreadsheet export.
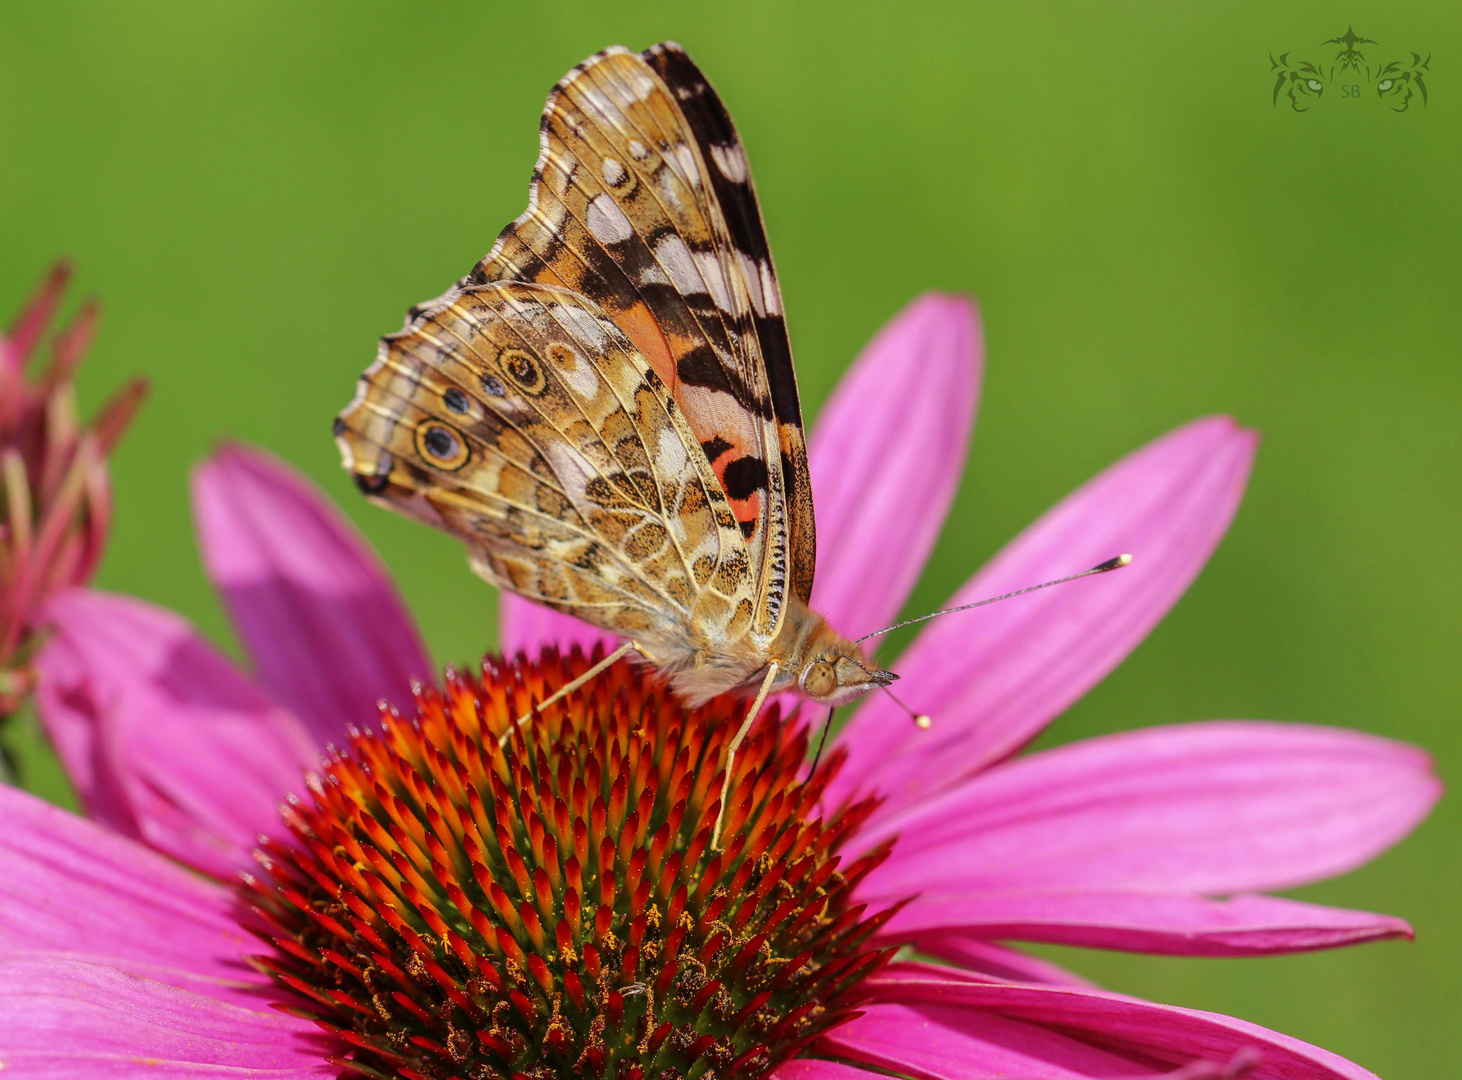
258	190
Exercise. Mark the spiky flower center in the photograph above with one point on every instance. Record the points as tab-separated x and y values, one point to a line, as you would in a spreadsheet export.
553	907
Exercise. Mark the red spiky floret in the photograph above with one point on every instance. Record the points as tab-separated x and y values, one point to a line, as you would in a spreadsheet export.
553	907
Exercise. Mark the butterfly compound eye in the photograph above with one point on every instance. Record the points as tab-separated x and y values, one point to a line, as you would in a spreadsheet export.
441	446
820	680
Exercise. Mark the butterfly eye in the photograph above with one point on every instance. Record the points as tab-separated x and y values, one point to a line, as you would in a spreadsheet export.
820	680
442	446
525	374
455	400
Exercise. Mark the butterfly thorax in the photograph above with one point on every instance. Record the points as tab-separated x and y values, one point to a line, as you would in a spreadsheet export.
812	659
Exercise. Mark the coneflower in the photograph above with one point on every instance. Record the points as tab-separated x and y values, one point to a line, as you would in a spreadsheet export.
552	906
440	903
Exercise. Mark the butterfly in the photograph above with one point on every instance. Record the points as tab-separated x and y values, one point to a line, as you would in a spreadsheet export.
605	409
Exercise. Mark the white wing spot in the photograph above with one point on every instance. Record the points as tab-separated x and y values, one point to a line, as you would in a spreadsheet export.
637	150
580	376
769	288
670	456
675	257
614	173
689	167
753	281
607	222
641	86
710	268
731	160
585	324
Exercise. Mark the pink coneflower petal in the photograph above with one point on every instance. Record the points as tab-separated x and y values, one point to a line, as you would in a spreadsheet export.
964	1014
68	1019
317	612
524	625
993	679
1216	807
165	740
955	1042
72	890
1141	922
996	961
887	453
821	1069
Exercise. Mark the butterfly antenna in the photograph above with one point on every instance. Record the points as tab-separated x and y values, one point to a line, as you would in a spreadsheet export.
923	721
1101	568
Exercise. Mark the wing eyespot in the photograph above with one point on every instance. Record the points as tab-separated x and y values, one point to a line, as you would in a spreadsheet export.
456	401
441	445
524	372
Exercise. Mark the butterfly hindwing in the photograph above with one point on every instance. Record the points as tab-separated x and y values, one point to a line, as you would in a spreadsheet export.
520	418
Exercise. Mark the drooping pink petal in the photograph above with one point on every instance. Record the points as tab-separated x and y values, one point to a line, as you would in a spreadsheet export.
70	889
1141	922
889	447
994	961
1162	1036
71	1020
930	1041
993	678
165	740
1215	807
314	607
525	625
818	1069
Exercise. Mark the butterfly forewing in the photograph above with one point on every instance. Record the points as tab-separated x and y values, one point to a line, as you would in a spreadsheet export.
730	177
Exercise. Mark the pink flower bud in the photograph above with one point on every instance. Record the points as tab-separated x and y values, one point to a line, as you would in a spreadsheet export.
55	493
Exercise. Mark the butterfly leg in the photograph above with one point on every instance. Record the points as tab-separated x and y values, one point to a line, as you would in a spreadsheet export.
761	696
569	687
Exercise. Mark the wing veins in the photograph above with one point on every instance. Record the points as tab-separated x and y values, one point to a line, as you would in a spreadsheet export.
690	451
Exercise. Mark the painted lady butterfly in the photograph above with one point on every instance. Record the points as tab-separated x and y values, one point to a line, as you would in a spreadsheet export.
605	409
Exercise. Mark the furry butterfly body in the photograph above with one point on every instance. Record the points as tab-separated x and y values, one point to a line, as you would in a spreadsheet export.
605	409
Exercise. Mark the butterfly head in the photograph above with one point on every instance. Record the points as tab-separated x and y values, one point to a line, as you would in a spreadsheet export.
836	678
829	668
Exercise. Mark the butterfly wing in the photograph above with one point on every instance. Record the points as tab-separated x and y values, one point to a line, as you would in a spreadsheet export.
641	199
520	418
730	176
